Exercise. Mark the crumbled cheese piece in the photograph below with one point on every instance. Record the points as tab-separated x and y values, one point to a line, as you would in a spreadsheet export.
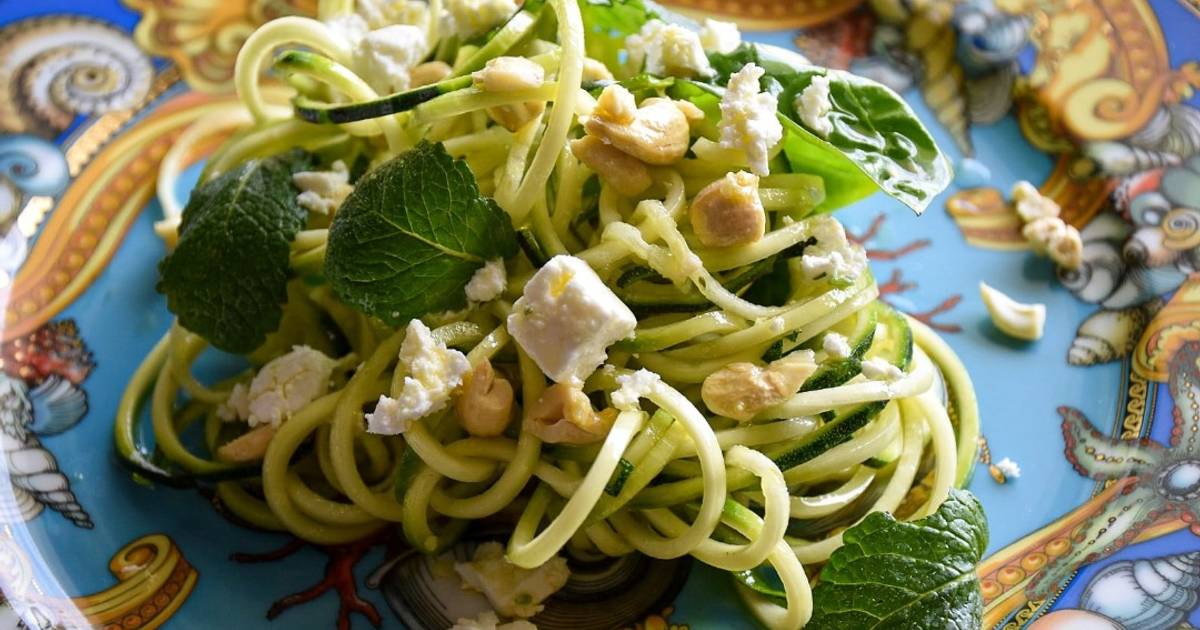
778	325
323	191
1023	321
748	118
468	18
1009	468
434	372
633	387
1051	236
381	13
668	50
836	345
1031	204
878	369
512	591
719	37
488	283
488	620
280	388
386	55
509	74
567	318
350	28
813	106
833	256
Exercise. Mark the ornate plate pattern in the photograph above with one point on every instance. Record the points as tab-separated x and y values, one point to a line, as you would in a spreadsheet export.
1093	100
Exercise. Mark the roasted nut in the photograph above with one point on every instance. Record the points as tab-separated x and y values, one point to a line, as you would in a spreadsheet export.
513	117
729	211
741	390
429	73
485	405
564	415
509	74
595	71
247	447
628	175
655	133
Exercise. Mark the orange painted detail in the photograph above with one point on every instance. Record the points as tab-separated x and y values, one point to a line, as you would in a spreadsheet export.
1080	198
95	214
1176	324
767	14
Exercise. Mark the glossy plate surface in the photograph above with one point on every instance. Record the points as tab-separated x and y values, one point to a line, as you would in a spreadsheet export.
1092	100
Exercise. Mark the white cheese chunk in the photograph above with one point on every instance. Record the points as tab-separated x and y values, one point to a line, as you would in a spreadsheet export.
488	283
512	591
351	28
488	620
385	56
833	257
836	345
719	37
323	191
633	387
668	50
468	18
879	369
433	373
1022	321
280	388
813	106
567	318
381	13
748	118
1009	468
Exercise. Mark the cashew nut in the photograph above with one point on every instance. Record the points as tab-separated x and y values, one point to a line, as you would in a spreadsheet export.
429	73
655	133
511	74
729	211
564	415
485	405
247	447
741	390
628	175
595	70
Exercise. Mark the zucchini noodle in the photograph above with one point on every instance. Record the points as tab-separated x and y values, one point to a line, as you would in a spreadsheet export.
850	408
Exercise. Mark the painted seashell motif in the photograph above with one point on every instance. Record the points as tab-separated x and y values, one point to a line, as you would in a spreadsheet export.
1073	619
1108	335
55	68
1155	594
29	166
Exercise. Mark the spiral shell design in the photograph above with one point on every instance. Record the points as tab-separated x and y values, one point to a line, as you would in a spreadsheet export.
988	39
1108	335
58	67
29	166
1154	594
29	470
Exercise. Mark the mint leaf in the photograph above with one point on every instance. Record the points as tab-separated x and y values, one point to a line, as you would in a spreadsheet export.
411	235
227	278
892	574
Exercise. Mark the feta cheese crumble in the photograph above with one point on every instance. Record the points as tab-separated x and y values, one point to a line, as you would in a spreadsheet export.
351	28
323	192
1009	468
633	387
433	373
488	620
381	13
468	18
280	388
566	319
668	50
878	369
833	256
385	56
488	283
748	118
836	345
512	591
719	37
813	106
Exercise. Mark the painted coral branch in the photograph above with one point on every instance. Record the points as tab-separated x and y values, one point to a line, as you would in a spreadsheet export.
872	231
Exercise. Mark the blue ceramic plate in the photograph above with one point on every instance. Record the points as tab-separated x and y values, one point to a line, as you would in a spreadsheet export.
1092	100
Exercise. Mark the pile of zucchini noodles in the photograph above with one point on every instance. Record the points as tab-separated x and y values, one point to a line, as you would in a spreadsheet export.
674	481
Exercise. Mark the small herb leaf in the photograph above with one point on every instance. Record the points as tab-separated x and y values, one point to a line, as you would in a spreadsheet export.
893	574
227	278
411	235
